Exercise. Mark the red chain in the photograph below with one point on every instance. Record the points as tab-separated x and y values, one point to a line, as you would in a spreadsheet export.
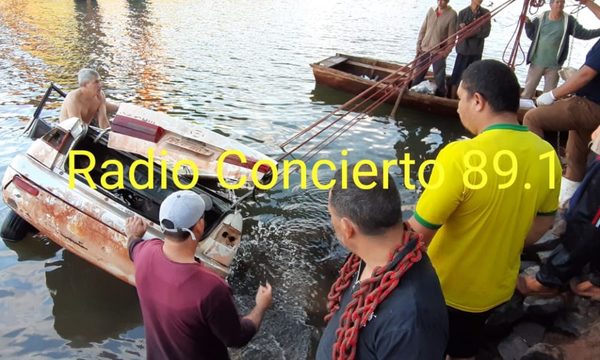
371	293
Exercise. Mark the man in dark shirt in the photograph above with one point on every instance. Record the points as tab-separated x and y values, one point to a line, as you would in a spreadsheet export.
470	49
188	312
579	244
578	114
388	297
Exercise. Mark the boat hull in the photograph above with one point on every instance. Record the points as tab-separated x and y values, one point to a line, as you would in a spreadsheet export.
353	75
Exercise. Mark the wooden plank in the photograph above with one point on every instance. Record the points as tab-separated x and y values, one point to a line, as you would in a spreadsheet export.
333	61
372	67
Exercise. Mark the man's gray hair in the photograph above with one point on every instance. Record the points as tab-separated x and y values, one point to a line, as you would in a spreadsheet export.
87	75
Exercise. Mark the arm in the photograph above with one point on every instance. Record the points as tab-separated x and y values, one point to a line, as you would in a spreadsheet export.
548	208
485	30
581	78
427	233
541	224
579	32
135	228
111	108
594	8
422	32
264	298
101	114
443	195
531	27
451	34
224	321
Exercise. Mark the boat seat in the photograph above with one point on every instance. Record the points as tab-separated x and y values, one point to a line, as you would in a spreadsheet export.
333	61
372	67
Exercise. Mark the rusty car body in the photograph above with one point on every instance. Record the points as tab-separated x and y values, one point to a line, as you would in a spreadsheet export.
90	222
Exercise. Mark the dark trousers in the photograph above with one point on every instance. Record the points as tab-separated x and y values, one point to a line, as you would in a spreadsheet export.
580	244
461	64
439	73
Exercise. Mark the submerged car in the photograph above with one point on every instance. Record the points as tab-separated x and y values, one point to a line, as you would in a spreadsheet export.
56	186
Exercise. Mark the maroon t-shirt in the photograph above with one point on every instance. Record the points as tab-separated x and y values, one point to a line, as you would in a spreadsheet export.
188	311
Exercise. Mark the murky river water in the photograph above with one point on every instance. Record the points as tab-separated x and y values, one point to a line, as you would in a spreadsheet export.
240	68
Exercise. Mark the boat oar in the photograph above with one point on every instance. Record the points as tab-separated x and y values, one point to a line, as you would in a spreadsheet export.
401	90
402	87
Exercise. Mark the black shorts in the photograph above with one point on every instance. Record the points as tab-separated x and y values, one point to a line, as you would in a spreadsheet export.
465	330
461	64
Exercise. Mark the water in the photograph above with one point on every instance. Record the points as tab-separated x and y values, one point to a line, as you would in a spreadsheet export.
237	67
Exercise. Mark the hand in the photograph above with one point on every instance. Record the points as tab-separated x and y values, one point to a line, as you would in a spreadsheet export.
596	134
524	18
264	296
135	227
585	2
545	99
461	25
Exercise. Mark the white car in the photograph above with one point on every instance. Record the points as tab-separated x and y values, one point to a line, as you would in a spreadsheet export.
47	187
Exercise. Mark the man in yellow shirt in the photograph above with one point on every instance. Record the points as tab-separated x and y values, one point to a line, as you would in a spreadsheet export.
487	196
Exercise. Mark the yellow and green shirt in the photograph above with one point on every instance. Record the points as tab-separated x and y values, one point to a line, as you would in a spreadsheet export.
476	251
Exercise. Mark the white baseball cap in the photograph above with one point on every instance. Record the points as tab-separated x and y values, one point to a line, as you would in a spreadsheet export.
181	210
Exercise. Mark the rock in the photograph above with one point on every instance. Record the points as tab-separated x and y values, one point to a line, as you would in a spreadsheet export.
512	348
531	332
543	306
543	351
571	323
587	307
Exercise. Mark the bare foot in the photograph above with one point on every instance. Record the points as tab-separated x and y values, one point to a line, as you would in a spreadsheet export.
528	285
586	289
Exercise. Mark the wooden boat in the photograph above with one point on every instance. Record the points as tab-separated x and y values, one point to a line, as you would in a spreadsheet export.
355	74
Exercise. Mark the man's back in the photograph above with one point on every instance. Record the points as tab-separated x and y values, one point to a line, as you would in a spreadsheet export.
188	312
476	251
411	323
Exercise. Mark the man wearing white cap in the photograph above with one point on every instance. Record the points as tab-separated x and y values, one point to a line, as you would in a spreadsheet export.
188	312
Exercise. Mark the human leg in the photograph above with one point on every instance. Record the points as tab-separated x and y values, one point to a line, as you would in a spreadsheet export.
585	120
575	114
439	72
591	208
580	245
550	79
534	75
465	333
421	62
555	117
460	65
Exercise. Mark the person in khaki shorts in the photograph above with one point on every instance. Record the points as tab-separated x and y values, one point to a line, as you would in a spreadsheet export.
579	113
550	33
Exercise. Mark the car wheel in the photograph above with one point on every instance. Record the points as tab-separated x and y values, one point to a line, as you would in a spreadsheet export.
15	228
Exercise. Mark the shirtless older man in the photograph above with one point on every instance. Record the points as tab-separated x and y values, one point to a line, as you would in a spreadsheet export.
88	102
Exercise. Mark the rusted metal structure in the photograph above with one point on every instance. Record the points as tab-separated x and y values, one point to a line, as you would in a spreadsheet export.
88	219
